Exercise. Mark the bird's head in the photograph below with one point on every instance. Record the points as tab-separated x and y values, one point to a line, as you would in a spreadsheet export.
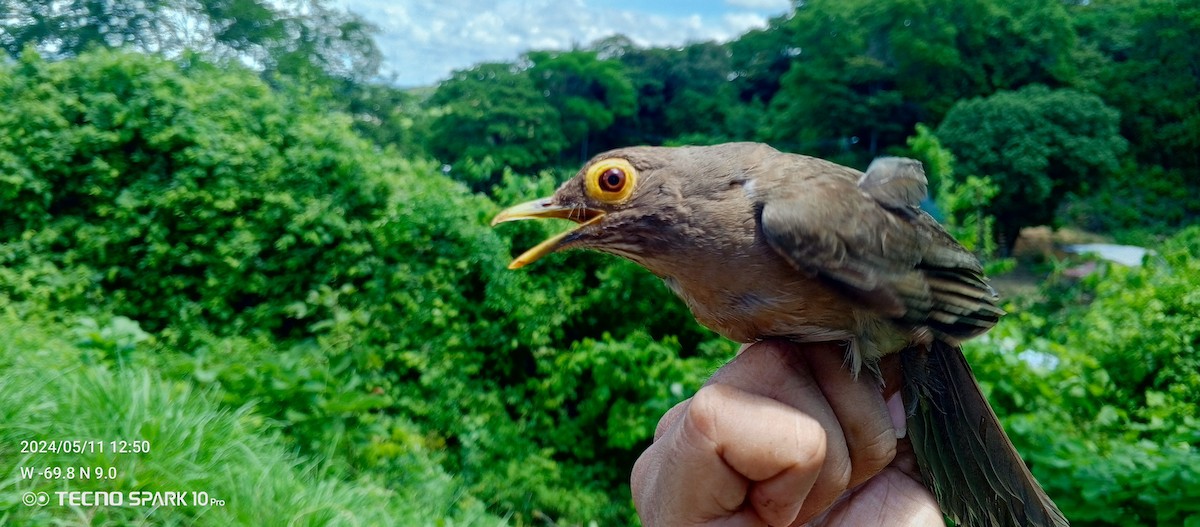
635	202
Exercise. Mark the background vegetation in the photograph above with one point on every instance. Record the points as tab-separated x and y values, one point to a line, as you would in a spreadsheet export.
236	244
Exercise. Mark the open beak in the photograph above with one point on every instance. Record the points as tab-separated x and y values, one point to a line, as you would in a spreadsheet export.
541	209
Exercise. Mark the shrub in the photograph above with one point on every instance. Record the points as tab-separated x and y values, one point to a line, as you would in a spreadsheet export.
358	299
1101	388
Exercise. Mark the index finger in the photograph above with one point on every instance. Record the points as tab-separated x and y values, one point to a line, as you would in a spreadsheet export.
732	458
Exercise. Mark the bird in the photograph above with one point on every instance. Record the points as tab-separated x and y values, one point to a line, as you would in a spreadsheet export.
762	244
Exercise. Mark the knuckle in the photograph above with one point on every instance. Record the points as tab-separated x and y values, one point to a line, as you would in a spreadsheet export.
670	419
841	473
872	454
701	414
838	469
810	443
877	452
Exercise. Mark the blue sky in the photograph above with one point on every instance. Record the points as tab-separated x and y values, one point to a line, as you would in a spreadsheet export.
678	7
424	40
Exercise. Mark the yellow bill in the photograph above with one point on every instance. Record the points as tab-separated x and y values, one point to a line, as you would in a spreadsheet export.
541	209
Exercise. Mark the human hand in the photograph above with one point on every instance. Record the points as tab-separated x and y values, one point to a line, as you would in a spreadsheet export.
784	435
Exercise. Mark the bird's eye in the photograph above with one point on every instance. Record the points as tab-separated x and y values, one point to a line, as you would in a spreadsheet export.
611	180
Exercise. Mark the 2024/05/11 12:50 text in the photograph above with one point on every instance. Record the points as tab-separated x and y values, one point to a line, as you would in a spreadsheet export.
89	446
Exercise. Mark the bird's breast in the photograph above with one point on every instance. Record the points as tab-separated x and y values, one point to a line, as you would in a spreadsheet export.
765	299
737	285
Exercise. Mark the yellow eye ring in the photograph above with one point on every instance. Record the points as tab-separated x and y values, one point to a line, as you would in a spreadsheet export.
611	180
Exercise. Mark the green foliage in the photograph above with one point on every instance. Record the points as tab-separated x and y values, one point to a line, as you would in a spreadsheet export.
850	80
865	72
1138	205
200	203
189	221
682	96
1036	145
1101	387
359	300
1152	358
760	58
964	204
191	195
597	405
299	39
309	45
388	116
589	93
961	203
525	117
114	342
1135	57
493	111
78	26
195	445
936	159
616	388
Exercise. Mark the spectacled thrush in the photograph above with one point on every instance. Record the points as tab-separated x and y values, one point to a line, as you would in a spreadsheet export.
764	244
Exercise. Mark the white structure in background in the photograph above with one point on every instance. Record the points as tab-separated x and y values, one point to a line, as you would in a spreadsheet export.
1129	255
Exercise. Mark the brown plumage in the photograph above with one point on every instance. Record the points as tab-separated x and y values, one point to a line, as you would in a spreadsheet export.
761	244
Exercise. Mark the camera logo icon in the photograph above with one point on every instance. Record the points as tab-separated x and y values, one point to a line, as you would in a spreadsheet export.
40	499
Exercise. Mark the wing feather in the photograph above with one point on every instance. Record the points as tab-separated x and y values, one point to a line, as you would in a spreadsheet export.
865	234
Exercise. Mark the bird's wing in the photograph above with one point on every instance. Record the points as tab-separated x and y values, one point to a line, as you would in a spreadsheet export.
865	235
897	183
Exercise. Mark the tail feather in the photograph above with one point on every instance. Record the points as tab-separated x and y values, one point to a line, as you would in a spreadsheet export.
964	455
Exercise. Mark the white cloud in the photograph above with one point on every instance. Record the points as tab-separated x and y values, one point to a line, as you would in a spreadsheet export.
744	21
423	40
761	5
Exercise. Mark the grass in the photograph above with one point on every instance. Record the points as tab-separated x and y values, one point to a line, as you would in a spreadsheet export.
53	389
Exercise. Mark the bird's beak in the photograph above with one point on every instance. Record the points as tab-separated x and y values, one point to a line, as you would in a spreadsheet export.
546	208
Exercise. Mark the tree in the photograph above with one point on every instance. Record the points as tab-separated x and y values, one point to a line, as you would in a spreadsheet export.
524	116
299	38
388	116
1037	145
589	93
647	69
495	111
865	72
760	58
1098	383
356	299
683	95
1136	56
68	28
